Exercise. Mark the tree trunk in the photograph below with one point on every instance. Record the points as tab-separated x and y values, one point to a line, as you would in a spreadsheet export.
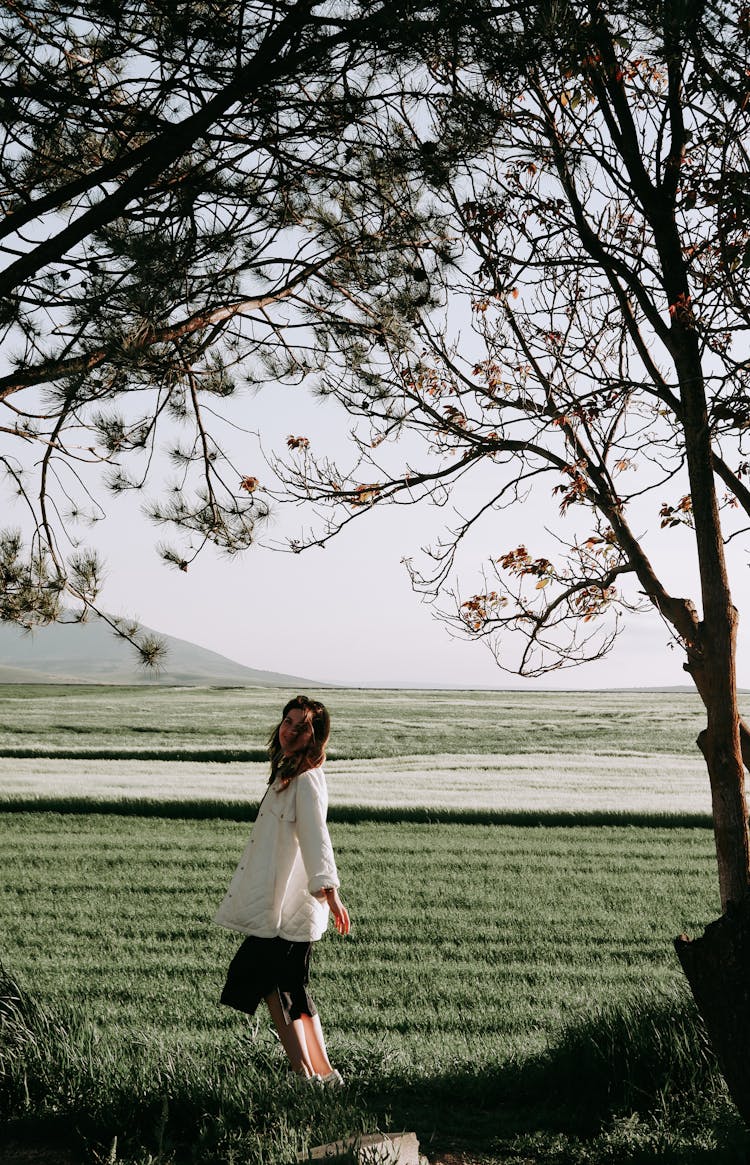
721	745
717	967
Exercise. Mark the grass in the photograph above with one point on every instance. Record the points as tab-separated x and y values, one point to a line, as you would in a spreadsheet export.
233	723
508	989
516	865
642	1065
203	809
74	1089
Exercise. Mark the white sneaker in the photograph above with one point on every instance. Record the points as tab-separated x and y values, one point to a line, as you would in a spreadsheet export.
333	1078
311	1080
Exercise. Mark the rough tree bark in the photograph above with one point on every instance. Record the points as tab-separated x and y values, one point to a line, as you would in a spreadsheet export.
717	965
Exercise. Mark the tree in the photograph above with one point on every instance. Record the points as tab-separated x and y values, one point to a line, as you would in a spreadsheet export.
511	240
169	174
588	164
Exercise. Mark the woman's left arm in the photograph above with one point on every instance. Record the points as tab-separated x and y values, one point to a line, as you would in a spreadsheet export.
316	848
312	832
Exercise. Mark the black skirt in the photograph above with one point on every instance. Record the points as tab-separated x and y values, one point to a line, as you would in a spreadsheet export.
264	965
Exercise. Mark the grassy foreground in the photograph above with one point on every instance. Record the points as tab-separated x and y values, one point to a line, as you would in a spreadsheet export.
508	990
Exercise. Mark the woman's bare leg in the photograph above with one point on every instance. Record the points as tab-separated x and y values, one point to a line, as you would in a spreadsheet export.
315	1044
293	1037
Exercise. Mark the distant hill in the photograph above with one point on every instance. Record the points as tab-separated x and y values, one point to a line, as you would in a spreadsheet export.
88	653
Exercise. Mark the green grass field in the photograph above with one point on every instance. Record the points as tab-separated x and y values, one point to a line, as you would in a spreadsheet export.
478	953
545	921
509	991
116	721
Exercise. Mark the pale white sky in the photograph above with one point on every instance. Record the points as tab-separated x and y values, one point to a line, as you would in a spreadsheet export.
347	614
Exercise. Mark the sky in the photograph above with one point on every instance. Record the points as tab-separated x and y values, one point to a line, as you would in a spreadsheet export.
347	614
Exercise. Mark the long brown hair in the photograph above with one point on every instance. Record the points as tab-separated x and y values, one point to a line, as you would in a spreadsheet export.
286	768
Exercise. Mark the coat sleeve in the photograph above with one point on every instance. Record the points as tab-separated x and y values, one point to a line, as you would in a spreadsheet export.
312	831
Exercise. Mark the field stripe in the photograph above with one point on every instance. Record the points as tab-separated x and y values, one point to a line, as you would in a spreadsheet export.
634	783
351	814
175	723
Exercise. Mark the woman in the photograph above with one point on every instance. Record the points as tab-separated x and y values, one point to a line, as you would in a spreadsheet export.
283	890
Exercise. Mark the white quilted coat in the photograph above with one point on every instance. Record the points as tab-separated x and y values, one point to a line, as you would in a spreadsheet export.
287	859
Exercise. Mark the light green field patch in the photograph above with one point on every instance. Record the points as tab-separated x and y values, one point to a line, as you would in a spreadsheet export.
366	723
569	783
637	783
170	780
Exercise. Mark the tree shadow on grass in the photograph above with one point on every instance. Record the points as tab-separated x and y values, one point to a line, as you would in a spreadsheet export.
35	1143
632	1083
